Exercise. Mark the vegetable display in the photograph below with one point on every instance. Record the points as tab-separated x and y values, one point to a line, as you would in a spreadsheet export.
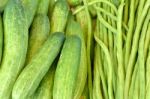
74	49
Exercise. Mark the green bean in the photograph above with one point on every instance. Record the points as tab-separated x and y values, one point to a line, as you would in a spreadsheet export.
104	48
100	68
89	38
1	38
147	76
97	1
134	48
130	33
121	75
97	93
142	57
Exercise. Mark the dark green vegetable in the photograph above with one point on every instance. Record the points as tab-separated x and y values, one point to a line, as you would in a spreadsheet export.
1	37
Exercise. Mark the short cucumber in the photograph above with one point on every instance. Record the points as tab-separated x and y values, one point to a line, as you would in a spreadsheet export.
30	7
73	28
1	37
67	69
38	34
3	3
59	16
33	73
15	48
43	7
74	2
45	90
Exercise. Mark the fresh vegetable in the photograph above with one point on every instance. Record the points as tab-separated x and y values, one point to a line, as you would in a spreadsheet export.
15	46
67	69
3	3
60	13
26	85
38	35
1	37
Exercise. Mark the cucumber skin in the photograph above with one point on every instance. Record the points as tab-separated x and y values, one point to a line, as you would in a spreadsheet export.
67	69
15	46
43	7
45	90
31	76
39	32
3	3
30	7
59	16
1	37
73	28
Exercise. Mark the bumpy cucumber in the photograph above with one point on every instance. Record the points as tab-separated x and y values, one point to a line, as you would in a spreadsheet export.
1	37
15	48
74	2
45	90
30	77
30	7
59	16
73	28
39	32
3	3
43	7
67	69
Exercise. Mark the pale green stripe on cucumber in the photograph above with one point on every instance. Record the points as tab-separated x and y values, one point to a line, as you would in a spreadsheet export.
59	16
3	3
73	28
15	46
32	74
1	37
30	7
43	7
38	34
67	69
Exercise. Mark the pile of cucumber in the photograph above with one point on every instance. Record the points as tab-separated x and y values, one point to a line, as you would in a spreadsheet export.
74	49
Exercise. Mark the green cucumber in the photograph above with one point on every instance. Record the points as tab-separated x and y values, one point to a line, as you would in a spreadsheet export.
39	32
59	16
15	48
67	69
1	37
81	18
3	3
45	90
30	7
43	7
33	73
74	2
73	28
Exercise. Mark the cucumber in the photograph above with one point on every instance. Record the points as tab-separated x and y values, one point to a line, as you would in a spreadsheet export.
67	69
43	7
81	18
74	2
45	90
30	7
39	32
32	74
59	16
73	28
15	46
1	37
3	3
